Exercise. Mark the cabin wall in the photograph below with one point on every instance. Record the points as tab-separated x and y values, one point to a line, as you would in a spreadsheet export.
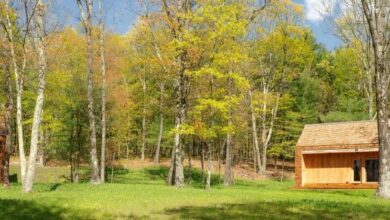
333	168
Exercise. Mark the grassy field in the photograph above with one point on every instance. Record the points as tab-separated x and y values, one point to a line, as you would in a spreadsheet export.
142	194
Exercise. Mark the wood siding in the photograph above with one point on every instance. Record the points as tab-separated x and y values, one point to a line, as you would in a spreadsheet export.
333	168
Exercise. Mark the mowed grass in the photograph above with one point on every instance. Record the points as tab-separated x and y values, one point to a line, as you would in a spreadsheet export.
142	194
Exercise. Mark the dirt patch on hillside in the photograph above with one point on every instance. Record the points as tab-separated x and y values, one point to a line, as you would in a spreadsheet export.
240	171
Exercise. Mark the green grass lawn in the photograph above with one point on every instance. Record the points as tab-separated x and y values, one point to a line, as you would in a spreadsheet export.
142	194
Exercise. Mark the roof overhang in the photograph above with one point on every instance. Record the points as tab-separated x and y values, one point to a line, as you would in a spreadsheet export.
335	151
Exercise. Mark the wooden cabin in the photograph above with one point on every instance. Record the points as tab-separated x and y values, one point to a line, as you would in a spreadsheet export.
338	155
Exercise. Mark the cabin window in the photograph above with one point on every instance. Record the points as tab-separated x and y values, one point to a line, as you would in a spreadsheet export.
372	170
356	170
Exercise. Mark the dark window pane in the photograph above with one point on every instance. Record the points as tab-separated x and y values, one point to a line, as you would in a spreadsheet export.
372	170
356	170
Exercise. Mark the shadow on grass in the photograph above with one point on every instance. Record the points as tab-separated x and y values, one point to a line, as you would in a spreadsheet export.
303	209
363	193
193	177
159	174
153	175
18	209
119	174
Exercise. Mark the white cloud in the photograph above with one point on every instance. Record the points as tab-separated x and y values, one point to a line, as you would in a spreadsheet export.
317	10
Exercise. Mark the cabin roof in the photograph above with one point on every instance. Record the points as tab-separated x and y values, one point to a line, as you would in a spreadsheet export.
339	133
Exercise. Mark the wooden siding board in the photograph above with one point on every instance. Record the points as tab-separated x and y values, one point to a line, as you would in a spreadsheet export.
345	136
332	168
301	180
341	186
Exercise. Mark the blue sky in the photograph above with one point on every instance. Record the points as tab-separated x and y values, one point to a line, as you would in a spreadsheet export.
320	27
122	14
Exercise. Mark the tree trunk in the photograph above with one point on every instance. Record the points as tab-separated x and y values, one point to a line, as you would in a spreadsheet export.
72	153
266	133
171	171
264	159
181	107
112	166
87	22
19	91
76	153
255	161
162	85
176	172
219	161
127	151
254	133
160	134
41	149
190	152
282	174
37	118
202	158
9	125
375	15
370	89
143	118
208	182
76	178
228	180
104	89
275	164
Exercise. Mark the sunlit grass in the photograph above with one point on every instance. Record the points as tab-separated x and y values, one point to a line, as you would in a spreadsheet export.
143	194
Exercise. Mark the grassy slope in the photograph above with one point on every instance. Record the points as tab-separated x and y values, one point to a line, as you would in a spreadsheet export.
143	194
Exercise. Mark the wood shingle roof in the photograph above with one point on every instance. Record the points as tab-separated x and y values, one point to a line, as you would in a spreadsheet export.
340	133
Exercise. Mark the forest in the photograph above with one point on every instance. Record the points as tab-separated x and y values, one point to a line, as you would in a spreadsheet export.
226	82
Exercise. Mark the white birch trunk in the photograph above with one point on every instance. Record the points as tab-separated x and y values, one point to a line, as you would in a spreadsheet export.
228	178
104	96
37	119
161	130
264	130
19	91
254	133
209	164
267	133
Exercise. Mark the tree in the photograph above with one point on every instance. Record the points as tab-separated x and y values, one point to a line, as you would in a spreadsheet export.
9	126
9	110
42	65
282	50
86	17
9	30
377	17
351	28
104	90
178	24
